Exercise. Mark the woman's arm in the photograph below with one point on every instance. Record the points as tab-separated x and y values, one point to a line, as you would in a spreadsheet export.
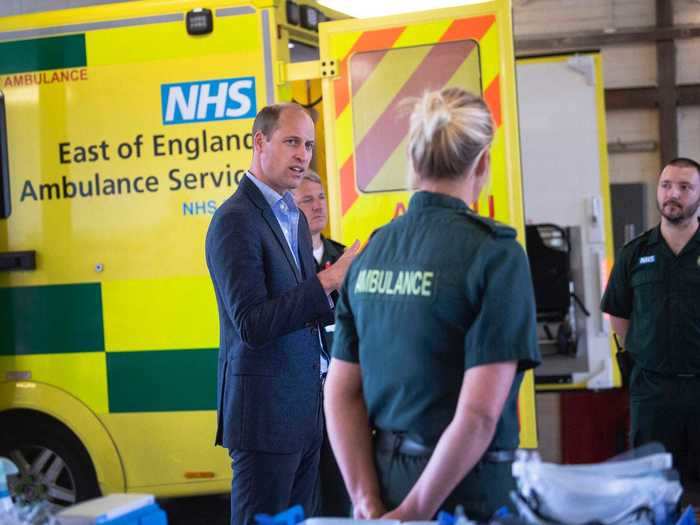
484	392
351	437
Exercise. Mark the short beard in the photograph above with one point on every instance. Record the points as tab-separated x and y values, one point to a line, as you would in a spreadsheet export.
686	214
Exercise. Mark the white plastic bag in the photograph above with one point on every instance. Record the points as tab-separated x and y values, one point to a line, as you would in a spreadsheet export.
637	490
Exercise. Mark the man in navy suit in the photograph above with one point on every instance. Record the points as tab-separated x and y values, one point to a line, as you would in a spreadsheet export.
272	304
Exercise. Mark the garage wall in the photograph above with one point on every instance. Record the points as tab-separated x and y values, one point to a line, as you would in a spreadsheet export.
626	66
537	17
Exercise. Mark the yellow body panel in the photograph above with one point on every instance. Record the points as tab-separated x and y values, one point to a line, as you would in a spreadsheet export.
164	446
82	376
159	314
605	192
604	181
78	417
155	42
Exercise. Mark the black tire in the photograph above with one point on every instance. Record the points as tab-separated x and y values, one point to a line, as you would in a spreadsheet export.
53	464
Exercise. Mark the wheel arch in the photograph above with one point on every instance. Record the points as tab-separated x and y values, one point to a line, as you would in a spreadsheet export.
26	398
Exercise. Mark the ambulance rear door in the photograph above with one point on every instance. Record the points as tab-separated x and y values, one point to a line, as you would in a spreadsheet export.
369	67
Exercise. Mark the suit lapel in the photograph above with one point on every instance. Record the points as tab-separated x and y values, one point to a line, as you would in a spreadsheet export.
259	200
306	250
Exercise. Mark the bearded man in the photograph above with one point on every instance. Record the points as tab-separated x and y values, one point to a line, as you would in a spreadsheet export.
653	298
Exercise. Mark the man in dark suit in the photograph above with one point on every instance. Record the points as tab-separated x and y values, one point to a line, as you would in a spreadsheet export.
311	199
272	304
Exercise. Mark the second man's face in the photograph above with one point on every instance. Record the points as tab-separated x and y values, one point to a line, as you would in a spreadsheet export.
286	156
311	199
678	194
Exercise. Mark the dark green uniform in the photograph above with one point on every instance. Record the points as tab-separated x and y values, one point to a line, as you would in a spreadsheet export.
659	292
436	292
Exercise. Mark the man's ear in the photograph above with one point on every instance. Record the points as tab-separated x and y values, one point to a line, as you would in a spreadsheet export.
258	140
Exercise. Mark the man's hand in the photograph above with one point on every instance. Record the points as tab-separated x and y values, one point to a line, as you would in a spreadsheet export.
332	278
370	508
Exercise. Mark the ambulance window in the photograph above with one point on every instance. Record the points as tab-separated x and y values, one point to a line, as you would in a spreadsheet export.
299	52
379	82
4	164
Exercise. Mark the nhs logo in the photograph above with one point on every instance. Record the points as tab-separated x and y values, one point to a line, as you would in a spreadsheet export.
225	99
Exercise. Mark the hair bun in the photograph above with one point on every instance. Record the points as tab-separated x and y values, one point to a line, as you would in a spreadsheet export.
449	130
436	113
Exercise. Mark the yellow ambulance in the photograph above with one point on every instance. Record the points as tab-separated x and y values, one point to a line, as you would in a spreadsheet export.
122	128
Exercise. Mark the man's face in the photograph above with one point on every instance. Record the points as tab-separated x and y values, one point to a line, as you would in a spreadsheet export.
311	199
678	193
286	155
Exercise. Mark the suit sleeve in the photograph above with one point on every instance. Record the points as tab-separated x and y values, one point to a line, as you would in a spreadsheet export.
235	259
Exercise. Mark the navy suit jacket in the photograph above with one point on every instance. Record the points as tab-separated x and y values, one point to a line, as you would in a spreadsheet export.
270	312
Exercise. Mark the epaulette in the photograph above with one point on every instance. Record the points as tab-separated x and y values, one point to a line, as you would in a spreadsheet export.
495	228
639	237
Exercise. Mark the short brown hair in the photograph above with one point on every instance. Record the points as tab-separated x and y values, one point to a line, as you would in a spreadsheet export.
267	119
685	162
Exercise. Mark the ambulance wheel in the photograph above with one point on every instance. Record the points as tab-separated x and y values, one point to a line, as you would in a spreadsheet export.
53	464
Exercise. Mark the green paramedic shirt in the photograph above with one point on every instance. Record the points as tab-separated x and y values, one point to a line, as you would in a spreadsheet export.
659	292
435	292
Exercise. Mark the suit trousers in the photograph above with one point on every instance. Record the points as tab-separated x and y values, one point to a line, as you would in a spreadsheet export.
269	483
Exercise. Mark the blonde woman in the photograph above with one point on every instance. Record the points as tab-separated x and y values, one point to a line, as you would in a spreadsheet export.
435	326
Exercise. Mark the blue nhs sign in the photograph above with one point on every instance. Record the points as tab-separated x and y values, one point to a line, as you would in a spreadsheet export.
225	99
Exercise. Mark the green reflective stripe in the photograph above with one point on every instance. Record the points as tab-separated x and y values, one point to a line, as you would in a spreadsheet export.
51	319
162	381
42	53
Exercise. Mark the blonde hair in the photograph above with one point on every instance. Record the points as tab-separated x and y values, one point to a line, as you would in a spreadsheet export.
449	130
312	176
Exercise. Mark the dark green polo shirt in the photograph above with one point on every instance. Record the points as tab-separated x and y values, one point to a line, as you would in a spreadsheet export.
659	292
435	292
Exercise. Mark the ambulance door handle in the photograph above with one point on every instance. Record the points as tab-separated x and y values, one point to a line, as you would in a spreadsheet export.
10	261
5	207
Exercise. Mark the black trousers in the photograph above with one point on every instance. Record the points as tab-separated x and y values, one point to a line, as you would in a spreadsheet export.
667	409
482	492
269	483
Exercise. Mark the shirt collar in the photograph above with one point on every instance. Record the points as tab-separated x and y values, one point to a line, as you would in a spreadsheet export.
271	196
655	235
426	199
696	237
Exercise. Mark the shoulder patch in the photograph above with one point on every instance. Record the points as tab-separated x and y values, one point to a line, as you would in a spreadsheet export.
495	228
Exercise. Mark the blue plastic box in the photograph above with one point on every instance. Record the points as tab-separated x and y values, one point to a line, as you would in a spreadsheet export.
115	509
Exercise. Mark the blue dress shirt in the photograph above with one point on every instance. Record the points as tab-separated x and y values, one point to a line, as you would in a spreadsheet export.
285	211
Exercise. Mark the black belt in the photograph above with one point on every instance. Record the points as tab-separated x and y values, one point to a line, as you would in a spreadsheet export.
387	441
